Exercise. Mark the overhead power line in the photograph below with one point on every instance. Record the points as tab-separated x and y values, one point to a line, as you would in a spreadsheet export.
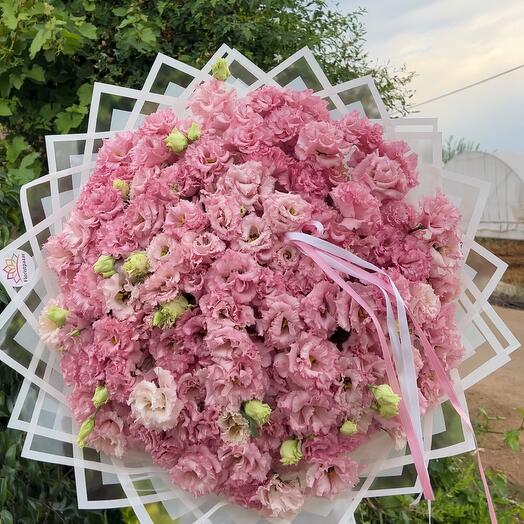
467	87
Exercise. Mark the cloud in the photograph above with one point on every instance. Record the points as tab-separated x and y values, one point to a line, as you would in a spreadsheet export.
449	45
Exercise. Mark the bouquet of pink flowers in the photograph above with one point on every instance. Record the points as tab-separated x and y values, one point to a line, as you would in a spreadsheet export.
247	297
193	326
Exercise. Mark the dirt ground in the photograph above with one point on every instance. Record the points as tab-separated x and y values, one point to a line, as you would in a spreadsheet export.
499	394
512	252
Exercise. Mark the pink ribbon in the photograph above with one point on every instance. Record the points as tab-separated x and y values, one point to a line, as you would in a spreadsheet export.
325	255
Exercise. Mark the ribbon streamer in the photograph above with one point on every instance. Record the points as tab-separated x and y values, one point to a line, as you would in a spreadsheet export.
402	376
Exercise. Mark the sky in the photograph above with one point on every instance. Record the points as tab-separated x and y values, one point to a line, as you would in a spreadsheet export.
449	44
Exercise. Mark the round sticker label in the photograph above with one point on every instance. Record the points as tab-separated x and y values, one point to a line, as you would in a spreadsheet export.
17	268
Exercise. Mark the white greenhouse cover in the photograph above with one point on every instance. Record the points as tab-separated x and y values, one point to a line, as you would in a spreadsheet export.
503	215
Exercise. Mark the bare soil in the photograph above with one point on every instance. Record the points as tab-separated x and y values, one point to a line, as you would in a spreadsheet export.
499	394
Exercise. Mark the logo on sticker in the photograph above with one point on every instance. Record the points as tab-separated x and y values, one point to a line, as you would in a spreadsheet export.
18	268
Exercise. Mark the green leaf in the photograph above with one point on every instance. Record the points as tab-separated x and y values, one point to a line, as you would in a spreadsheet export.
5	110
119	11
6	517
512	439
28	160
15	147
37	73
10	456
84	92
88	30
16	80
41	37
70	118
9	17
520	411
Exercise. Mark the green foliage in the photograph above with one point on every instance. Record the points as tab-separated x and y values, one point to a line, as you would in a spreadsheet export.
459	498
511	437
456	146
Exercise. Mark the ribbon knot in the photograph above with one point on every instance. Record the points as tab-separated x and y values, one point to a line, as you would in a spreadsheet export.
399	361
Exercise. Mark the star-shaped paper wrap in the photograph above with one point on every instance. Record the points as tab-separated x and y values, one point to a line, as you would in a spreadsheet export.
41	409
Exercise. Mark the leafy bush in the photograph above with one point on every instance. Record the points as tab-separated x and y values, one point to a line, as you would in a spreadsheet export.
52	51
459	498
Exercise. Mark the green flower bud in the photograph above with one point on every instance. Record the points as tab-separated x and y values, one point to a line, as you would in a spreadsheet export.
86	429
100	397
348	428
193	133
386	400
290	452
57	315
122	187
258	411
220	69
136	265
105	266
176	141
168	313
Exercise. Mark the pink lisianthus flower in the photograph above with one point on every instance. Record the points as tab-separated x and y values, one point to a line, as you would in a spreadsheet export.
384	176
330	478
280	498
209	158
184	216
359	130
116	296
213	103
323	141
162	286
150	151
179	180
108	436
156	406
235	273
244	462
226	343
160	123
286	212
446	258
312	363
439	216
255	235
281	322
198	471
309	411
249	137
244	180
285	124
318	308
424	304
359	208
85	296
399	214
225	215
265	99
116	150
234	381
100	202
144	218
201	248
221	308
412	258
115	337
311	106
161	249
